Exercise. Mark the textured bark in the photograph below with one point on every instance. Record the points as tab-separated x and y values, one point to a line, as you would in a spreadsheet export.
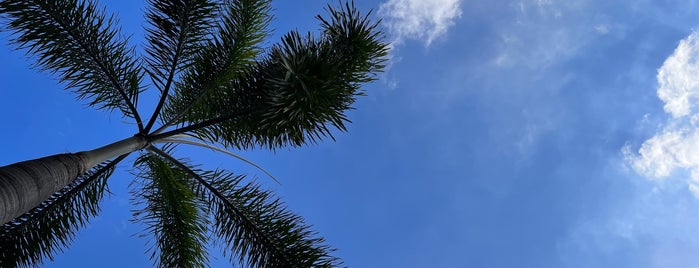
25	185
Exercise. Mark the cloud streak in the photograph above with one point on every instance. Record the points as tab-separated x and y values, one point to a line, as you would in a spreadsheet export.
675	147
543	32
422	20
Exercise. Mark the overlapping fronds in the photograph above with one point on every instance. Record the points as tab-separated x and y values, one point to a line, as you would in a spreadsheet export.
235	45
300	89
177	31
254	227
77	41
172	214
50	228
219	86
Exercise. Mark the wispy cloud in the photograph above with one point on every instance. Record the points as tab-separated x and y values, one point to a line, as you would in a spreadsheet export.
544	32
422	20
653	225
675	147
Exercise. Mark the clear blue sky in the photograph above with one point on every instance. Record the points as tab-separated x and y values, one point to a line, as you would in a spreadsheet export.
535	133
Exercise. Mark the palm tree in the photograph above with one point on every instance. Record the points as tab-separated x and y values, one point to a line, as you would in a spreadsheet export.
220	89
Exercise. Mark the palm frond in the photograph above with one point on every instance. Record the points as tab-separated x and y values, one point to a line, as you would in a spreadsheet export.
76	40
182	139
300	89
172	213
50	228
235	46
356	42
177	30
254	227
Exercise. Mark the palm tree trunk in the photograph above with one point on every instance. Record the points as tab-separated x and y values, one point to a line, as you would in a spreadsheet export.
26	184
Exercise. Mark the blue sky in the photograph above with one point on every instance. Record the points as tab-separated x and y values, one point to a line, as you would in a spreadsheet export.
536	133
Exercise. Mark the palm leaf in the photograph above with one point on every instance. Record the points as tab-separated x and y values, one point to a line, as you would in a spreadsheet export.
177	30
296	93
254	227
76	40
38	234
356	42
172	214
241	29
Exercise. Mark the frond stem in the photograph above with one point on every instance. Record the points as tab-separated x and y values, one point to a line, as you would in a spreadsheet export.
170	78
208	146
176	117
200	125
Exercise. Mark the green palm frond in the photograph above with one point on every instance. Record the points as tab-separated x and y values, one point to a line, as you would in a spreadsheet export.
257	228
296	93
76	40
254	227
220	89
356	43
177	31
235	46
172	213
51	227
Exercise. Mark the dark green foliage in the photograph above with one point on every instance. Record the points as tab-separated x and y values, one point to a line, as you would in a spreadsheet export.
304	85
171	212
177	31
51	227
235	46
253	226
356	43
218	84
258	230
76	40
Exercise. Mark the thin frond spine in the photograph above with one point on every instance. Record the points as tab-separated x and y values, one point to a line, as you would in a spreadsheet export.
178	140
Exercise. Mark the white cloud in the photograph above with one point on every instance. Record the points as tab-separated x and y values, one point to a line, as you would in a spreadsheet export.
424	20
676	147
660	155
677	78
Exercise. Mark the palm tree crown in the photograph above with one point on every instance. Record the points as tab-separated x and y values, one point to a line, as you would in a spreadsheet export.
219	88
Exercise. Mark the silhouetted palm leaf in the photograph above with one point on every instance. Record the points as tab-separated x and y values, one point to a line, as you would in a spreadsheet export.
254	227
292	95
172	213
219	86
235	46
178	31
79	42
